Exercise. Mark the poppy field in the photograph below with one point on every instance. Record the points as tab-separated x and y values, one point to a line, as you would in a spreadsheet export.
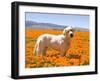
77	54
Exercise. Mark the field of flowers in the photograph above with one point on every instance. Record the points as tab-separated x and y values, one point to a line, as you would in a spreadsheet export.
77	55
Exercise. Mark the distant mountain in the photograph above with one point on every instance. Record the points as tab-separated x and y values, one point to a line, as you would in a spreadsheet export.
81	29
32	24
29	23
38	25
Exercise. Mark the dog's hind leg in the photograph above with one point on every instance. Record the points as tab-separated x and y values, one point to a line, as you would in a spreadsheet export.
35	48
44	51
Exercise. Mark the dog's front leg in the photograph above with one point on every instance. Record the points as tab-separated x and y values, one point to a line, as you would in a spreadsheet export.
62	53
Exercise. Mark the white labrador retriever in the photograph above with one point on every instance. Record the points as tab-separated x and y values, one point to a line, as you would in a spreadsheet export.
58	42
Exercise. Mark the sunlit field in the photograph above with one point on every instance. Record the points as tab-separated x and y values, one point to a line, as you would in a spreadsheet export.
77	55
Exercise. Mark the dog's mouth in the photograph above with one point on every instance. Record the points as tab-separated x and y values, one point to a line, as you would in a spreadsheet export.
71	35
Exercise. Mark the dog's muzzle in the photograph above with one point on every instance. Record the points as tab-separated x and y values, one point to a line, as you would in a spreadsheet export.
71	35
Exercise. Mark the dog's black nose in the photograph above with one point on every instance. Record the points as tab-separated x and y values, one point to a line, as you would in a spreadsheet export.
71	35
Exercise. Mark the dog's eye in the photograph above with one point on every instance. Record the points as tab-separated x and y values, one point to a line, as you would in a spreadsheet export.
68	31
71	30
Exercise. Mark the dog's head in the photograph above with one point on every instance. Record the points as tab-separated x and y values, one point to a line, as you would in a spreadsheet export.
69	32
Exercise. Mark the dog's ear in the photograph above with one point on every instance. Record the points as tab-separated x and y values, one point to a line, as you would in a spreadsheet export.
64	32
73	28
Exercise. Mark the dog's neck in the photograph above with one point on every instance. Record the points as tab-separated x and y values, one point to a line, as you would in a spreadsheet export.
66	38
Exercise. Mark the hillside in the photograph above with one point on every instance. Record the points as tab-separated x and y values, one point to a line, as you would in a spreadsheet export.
39	25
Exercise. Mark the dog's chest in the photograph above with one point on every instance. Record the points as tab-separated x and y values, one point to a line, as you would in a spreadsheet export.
65	44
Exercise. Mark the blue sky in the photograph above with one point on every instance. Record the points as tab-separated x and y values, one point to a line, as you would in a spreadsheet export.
60	19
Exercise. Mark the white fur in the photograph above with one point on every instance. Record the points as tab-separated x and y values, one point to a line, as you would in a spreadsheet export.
58	42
